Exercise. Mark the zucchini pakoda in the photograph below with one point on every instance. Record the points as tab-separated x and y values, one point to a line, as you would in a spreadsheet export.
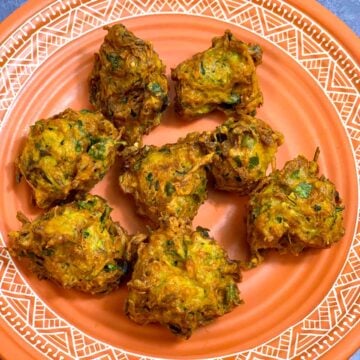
222	77
182	279
166	181
67	153
128	83
293	209
243	149
76	245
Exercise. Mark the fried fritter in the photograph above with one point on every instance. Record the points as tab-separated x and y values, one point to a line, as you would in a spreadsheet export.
244	147
69	152
256	53
222	77
166	181
293	209
128	83
76	245
182	279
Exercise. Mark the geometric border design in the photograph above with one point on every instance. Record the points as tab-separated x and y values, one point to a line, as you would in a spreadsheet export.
311	46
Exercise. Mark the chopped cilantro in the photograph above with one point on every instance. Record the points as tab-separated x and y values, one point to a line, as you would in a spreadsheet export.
98	150
169	243
202	69
110	267
203	231
149	178
255	212
78	146
279	219
169	188
248	141
295	174
237	160
303	190
253	162
46	177
233	99
137	165
94	140
114	60
86	204
231	294
155	88
105	214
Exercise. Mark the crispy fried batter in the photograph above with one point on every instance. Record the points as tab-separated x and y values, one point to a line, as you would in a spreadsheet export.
76	245
128	83
182	279
293	209
244	147
69	152
222	77
166	181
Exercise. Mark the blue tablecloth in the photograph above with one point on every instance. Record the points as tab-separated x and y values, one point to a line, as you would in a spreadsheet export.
347	10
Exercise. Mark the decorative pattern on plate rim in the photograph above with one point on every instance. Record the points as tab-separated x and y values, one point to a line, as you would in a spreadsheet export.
274	20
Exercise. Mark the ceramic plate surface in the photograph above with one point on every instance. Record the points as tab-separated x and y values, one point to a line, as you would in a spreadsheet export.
295	307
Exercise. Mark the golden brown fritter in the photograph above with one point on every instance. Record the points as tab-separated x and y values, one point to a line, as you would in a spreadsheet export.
293	209
222	77
69	152
128	83
76	245
166	181
256	53
244	147
182	279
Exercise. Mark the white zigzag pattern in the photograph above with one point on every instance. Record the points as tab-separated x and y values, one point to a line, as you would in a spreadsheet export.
266	21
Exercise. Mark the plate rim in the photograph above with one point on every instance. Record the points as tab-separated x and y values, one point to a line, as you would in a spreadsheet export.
18	18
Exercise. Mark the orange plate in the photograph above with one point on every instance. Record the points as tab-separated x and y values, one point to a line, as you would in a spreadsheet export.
295	307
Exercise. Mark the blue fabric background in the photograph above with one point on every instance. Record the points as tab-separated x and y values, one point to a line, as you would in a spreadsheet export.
347	10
